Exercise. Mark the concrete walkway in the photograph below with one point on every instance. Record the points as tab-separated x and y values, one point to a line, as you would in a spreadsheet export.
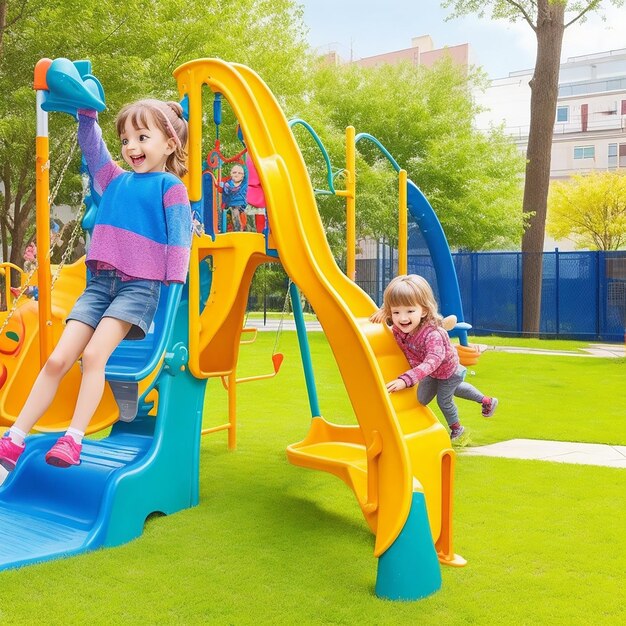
272	324
558	451
599	350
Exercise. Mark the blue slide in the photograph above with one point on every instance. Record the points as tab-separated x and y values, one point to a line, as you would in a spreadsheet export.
148	463
139	469
449	292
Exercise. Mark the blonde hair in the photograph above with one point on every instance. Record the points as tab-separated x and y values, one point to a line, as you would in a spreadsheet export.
411	290
168	117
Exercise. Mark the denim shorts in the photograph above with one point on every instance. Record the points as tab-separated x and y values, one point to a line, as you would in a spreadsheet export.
107	295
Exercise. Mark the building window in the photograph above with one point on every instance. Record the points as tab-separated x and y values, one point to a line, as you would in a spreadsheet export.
585	152
617	156
623	107
562	114
612	156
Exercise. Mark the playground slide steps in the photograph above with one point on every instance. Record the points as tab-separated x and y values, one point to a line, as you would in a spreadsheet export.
340	450
47	512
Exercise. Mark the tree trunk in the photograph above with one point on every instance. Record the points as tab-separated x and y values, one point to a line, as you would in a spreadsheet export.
3	23
4	216
544	92
18	234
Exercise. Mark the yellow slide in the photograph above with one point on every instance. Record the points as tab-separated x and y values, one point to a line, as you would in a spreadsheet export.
20	361
398	447
214	332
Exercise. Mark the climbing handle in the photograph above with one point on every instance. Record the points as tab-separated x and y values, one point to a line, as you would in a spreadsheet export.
373	453
71	86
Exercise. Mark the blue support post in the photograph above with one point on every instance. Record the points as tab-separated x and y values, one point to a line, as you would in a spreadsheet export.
409	569
305	352
557	295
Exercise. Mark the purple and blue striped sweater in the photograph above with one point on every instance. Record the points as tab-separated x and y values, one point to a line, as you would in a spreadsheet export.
143	225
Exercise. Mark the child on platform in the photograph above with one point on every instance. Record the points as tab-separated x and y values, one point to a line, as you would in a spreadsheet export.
234	197
410	304
141	238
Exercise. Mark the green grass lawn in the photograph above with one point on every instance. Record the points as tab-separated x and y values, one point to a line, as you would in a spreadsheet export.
271	543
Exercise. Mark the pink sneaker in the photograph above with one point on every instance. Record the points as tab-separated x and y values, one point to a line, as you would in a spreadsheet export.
9	453
489	407
64	452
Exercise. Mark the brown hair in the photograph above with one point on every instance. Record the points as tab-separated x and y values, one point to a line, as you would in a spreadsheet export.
168	117
409	290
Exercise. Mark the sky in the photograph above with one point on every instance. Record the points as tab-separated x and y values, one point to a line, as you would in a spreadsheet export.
361	28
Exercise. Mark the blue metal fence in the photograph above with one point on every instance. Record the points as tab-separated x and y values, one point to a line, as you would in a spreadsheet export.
583	293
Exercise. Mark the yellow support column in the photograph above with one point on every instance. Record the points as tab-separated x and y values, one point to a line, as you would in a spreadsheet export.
42	204
350	203
232	411
403	226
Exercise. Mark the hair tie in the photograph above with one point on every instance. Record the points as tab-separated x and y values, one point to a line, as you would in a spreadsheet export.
170	131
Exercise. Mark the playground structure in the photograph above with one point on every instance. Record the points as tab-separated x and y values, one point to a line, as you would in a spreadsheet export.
410	201
398	459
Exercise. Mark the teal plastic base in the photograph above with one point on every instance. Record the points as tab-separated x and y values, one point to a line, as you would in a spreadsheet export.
409	569
145	466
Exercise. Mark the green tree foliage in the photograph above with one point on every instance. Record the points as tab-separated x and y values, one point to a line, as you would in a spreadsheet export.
548	19
424	117
590	210
134	47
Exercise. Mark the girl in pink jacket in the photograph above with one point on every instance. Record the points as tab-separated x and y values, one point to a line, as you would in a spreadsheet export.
410	304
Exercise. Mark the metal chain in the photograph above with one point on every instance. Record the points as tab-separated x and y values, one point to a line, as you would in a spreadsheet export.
57	186
70	247
282	318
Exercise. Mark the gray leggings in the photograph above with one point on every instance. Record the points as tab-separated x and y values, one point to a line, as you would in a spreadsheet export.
445	390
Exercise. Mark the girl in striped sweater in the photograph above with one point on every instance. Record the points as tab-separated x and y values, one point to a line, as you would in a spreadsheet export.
141	238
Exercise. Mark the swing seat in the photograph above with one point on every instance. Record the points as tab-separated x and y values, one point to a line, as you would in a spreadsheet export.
277	361
248	331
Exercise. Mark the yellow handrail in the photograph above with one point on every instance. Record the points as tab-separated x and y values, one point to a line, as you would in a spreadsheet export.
350	195
231	425
5	268
403	225
248	331
373	452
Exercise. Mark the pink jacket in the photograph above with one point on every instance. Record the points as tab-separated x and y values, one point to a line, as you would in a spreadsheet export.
429	353
255	196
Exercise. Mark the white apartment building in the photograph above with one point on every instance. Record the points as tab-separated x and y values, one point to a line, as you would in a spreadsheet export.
590	126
